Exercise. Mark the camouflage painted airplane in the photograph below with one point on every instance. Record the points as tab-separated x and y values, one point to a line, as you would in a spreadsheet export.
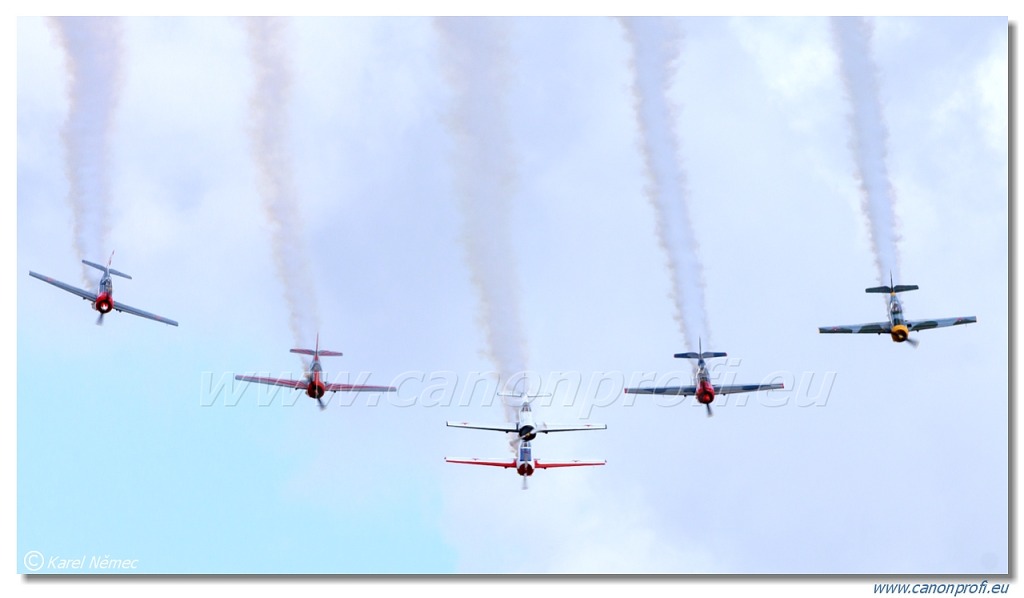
525	430
103	301
315	385
897	327
704	390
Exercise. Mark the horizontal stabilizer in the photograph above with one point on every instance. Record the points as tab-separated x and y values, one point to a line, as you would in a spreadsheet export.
323	352
111	270
896	289
704	355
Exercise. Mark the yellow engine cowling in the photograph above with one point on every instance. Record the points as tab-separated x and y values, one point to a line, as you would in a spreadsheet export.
899	333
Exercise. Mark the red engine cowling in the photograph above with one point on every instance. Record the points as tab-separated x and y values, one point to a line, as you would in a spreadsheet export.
103	304
705	393
525	469
316	391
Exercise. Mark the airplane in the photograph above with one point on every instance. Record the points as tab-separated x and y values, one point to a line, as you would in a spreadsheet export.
704	390
315	385
103	301
897	327
525	430
524	427
524	463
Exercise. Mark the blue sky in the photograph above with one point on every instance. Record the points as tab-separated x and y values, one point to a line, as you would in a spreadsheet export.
901	467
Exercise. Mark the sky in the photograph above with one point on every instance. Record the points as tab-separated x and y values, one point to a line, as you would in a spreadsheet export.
134	443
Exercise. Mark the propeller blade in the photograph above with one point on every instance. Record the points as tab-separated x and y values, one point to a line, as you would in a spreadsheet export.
913	342
708	405
321	403
99	319
525	485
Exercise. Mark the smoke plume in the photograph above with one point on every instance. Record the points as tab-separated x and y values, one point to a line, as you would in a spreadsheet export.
92	51
476	63
655	43
269	131
868	138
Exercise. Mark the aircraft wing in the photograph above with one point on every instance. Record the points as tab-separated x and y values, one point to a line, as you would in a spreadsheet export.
574	463
143	314
77	291
507	463
545	428
729	389
496	427
664	390
928	324
358	388
297	384
873	328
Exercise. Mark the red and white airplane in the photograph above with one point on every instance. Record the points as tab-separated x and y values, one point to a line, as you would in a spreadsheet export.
704	390
315	384
524	463
103	300
526	430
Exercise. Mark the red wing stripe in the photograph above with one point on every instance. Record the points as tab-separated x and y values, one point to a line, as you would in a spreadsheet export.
492	463
575	463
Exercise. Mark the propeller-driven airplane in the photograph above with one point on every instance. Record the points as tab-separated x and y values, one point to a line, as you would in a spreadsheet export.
897	327
526	430
524	463
315	385
103	300
524	427
704	390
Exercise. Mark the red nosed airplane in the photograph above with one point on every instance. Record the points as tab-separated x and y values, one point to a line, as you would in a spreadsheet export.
524	463
705	391
103	301
315	385
525	430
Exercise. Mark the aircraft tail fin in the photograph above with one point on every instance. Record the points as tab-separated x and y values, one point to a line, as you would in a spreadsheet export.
106	269
892	288
701	353
900	288
322	352
704	355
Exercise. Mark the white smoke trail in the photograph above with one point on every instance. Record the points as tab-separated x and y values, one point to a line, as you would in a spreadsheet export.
655	43
476	64
92	51
269	132
868	138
